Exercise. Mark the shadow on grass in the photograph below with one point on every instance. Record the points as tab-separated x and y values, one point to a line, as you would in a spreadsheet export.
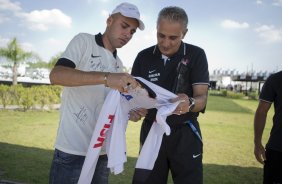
24	164
213	174
229	174
31	165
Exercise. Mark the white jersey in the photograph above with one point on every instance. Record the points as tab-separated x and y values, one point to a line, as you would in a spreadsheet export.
112	123
81	106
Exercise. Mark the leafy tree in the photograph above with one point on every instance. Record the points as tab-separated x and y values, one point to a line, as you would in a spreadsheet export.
17	92
54	60
38	64
15	54
42	64
27	100
5	95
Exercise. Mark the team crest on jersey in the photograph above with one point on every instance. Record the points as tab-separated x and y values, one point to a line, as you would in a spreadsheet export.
185	60
127	97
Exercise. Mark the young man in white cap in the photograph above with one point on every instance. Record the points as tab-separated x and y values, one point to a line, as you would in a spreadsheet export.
87	69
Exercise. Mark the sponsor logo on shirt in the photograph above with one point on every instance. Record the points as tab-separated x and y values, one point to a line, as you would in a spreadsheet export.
103	132
93	56
127	97
153	77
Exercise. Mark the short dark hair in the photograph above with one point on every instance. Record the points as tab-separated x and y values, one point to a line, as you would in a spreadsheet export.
175	14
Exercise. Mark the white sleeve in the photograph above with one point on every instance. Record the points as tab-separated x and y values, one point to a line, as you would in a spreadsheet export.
76	49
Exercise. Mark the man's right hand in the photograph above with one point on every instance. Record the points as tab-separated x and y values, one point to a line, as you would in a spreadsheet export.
259	152
121	81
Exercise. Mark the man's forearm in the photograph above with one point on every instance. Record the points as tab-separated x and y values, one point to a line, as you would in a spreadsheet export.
259	124
66	76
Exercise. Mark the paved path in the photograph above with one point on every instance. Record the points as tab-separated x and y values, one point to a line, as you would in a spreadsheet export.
9	182
37	107
2	181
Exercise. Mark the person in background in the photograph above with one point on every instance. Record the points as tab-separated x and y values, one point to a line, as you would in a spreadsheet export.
181	68
87	69
271	154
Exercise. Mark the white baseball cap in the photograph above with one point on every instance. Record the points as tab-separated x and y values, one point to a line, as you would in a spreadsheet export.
131	11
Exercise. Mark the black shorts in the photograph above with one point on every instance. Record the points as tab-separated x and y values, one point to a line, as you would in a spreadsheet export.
272	167
180	152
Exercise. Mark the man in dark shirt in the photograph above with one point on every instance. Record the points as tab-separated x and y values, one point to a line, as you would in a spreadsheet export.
183	69
272	155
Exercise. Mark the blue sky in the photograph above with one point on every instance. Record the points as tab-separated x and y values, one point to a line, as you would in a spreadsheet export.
241	35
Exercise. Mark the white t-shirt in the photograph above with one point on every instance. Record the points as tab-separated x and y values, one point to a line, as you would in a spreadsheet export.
81	106
111	127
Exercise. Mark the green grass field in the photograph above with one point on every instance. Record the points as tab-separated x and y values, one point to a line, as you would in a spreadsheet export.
27	138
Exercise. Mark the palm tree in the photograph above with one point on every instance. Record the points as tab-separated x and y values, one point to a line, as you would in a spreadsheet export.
15	54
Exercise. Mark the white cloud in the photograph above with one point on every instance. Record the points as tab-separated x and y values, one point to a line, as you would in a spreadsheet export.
43	20
26	46
8	5
4	42
277	3
105	13
50	47
269	34
231	24
259	2
54	42
150	37
3	18
93	1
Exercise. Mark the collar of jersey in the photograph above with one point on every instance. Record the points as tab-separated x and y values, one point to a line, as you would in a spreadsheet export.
99	41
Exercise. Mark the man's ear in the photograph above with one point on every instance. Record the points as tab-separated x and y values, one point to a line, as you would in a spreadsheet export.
109	20
184	32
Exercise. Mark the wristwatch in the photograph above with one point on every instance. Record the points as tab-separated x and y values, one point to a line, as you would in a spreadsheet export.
192	104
